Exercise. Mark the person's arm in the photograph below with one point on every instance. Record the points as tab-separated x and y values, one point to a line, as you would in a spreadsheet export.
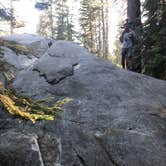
121	37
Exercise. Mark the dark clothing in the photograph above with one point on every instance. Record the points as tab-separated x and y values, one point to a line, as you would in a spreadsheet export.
126	54
50	44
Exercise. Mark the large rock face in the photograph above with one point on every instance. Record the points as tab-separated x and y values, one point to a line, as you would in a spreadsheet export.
117	117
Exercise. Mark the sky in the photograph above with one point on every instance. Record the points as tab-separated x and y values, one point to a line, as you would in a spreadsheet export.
26	11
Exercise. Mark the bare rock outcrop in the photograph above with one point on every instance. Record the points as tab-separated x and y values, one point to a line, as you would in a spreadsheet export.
116	118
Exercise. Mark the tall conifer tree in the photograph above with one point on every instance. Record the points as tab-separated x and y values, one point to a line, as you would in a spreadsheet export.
94	24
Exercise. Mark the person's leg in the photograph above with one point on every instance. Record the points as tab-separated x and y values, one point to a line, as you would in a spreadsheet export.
123	57
127	62
128	58
130	52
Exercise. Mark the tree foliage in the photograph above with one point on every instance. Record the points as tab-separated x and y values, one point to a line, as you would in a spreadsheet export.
149	51
94	24
47	17
64	22
154	39
56	21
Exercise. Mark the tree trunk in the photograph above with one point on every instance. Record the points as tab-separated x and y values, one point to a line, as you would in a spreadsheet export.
133	10
134	17
103	28
51	19
11	21
91	31
99	35
106	29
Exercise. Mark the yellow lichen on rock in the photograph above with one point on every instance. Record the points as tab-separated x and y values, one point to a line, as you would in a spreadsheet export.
16	47
9	104
11	107
27	108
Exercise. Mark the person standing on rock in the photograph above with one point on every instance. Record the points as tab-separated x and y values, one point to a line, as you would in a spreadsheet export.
127	45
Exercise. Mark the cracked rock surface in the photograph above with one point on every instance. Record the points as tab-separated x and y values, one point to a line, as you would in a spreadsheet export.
116	118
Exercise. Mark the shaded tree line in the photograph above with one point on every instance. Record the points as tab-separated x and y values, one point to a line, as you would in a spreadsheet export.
149	53
153	51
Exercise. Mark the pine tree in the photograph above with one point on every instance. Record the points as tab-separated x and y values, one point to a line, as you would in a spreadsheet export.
69	27
56	22
94	24
106	29
134	18
85	22
47	17
64	24
153	52
149	55
133	10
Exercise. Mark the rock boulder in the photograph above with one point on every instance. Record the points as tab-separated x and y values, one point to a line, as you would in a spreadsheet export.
117	117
